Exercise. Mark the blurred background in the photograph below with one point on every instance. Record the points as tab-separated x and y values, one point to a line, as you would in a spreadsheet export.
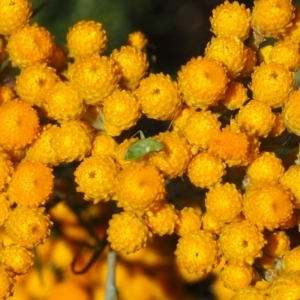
176	29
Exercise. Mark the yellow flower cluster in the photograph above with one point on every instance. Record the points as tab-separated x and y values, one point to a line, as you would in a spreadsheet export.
225	110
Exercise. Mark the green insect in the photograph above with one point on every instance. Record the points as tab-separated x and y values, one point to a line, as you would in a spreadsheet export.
142	147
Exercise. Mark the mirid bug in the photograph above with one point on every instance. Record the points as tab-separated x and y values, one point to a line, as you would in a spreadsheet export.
143	147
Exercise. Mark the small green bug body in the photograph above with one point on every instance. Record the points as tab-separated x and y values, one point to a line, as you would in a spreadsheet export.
143	147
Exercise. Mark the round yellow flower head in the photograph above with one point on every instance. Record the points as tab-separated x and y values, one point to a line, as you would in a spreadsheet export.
291	181
85	38
249	293
228	50
241	242
210	224
286	286
19	124
4	208
94	77
291	260
197	252
104	144
256	118
278	244
121	109
224	202
236	276
14	15
95	177
6	284
275	22
16	259
161	220
127	232
291	113
28	226
159	97
235	96
278	126
133	64
139	188
286	53
62	102
266	168
188	220
233	146
41	149
33	82
173	159
30	45
205	170
293	32
200	128
267	205
271	84
72	141
250	61
138	40
6	170
202	82
231	19
31	184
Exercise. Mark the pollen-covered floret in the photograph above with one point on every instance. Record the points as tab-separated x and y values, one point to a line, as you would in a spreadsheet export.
267	205
291	260
121	109
139	188
200	127
85	38
241	242
29	45
211	224
228	50
19	124
188	220
158	96
197	252
286	286
277	19
31	184
7	93
62	102
205	170
94	77
161	220
28	226
271	84
249	293
14	15
138	40
237	276
266	168
231	19
291	112
104	144
224	202
173	159
6	170
16	259
292	33
202	82
34	81
133	64
127	232
95	177
234	146
256	118
6	284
